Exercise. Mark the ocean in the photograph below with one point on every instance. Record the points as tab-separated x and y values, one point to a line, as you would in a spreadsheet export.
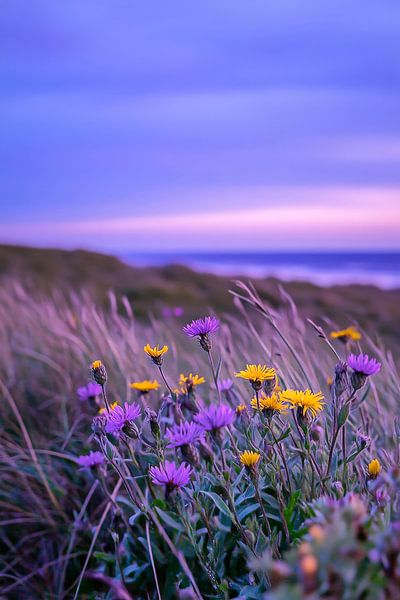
325	268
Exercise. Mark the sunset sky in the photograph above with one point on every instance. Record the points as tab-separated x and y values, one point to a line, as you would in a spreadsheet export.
200	125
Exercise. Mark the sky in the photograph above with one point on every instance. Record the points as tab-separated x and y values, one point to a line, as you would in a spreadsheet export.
207	125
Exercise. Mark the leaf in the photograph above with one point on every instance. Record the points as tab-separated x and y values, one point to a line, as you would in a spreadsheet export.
288	511
219	503
284	435
247	510
343	415
168	520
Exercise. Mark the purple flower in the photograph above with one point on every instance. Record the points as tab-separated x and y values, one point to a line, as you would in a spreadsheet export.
87	461
88	391
225	385
121	418
214	417
201	327
184	434
171	476
363	364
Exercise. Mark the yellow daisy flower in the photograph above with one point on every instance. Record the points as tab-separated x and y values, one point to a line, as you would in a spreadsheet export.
145	386
240	408
272	403
249	459
256	374
374	468
189	382
306	400
344	335
156	353
103	408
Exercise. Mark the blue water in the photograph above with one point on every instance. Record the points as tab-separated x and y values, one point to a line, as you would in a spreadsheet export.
327	268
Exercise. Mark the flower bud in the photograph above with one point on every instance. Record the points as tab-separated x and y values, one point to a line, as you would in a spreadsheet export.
99	372
317	433
341	379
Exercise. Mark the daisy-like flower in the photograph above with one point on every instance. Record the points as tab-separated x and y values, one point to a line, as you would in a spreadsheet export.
145	386
189	382
184	434
93	459
121	419
156	353
306	401
249	459
170	476
202	328
374	468
363	366
240	408
272	404
102	410
344	335
89	391
99	372
212	417
257	374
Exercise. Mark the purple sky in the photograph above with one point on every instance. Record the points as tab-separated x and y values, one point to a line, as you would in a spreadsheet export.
200	125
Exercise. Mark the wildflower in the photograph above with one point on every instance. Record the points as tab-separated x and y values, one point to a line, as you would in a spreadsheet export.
329	381
257	374
225	385
317	433
249	459
363	366
305	400
121	419
189	382
89	391
145	386
271	404
202	328
214	417
183	434
102	410
156	353
99	372
240	408
362	441
341	381
374	468
170	476
344	335
93	459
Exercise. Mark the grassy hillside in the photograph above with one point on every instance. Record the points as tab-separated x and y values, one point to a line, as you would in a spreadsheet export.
149	289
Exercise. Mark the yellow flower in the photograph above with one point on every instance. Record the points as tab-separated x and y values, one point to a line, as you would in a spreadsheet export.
256	374
249	459
145	386
273	402
96	364
156	353
350	333
306	400
189	382
329	381
103	408
374	468
240	408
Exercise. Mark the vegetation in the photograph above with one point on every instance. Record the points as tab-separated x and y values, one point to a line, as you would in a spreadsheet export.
262	462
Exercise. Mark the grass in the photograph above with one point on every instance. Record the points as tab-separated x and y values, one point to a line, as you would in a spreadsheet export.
307	520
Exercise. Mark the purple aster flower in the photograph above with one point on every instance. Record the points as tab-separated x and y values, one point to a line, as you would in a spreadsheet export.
363	364
201	327
170	476
121	419
89	391
225	385
214	417
87	461
184	434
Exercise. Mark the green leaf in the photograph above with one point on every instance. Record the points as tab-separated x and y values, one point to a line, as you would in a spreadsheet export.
247	510
219	503
343	414
168	520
